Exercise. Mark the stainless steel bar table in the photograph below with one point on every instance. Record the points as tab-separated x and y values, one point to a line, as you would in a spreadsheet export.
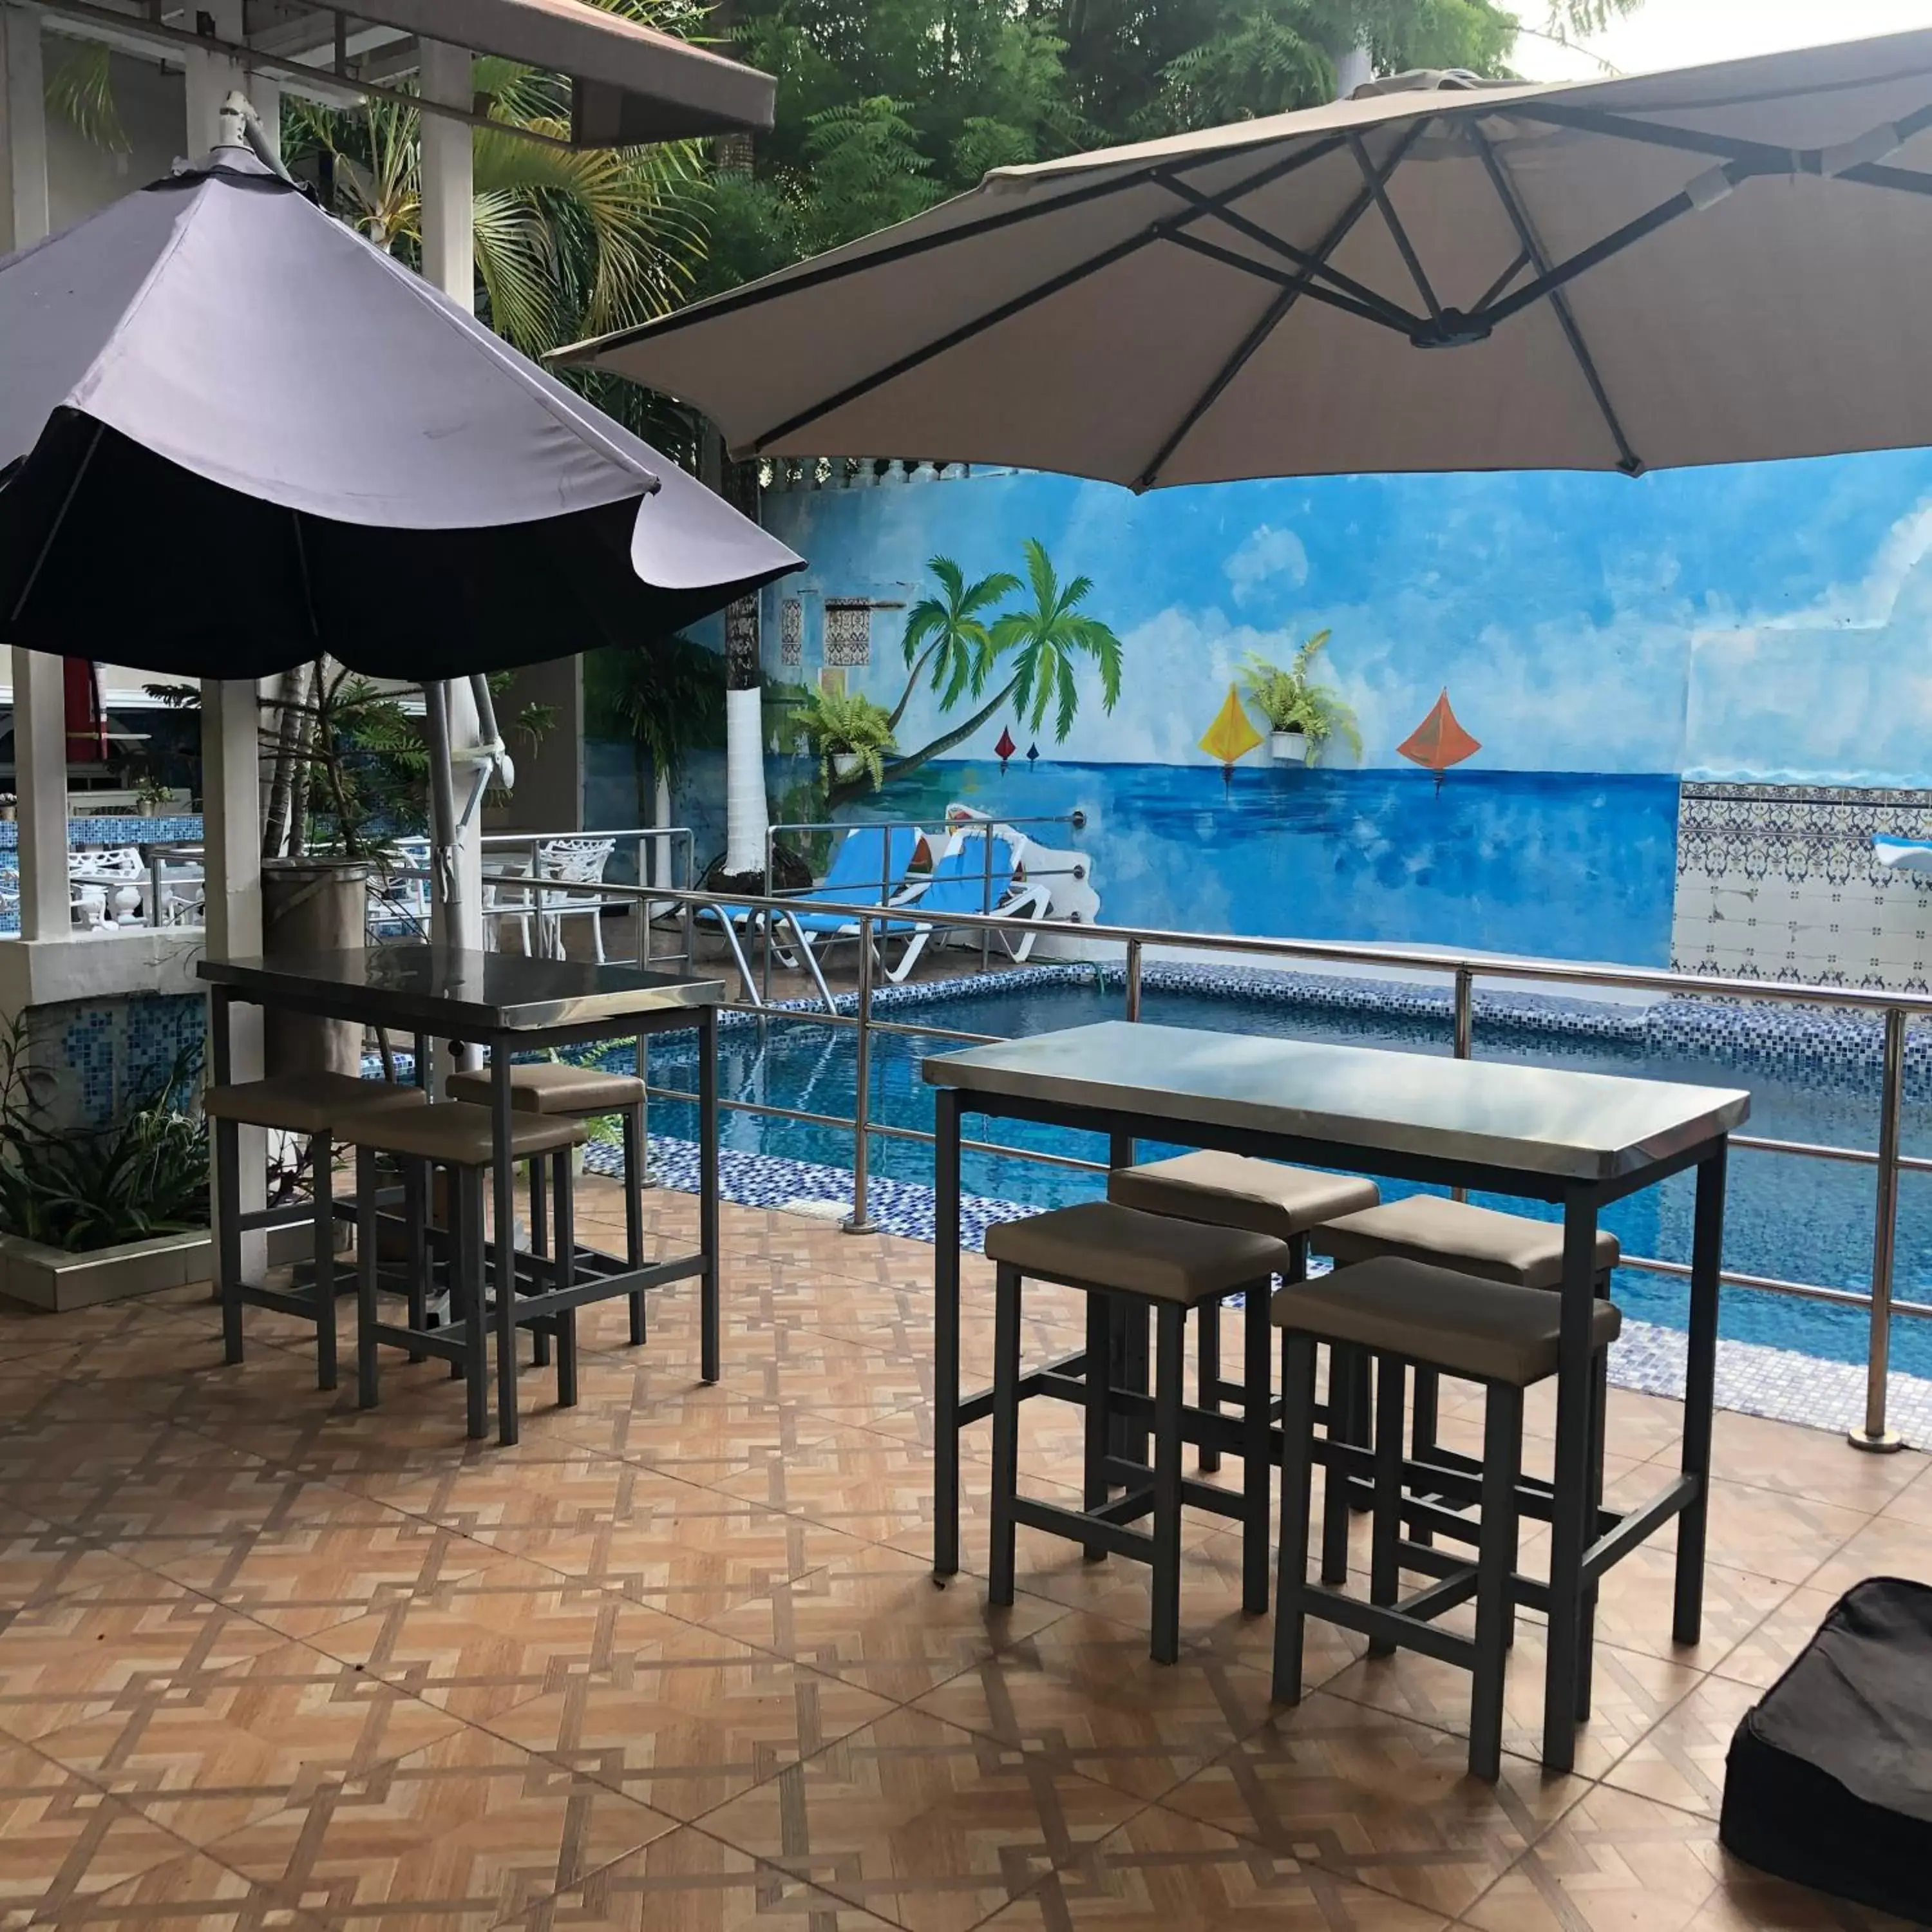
511	1005
1580	1140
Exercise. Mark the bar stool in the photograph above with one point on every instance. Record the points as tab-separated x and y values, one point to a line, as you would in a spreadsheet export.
1265	1197
322	1108
461	1139
554	1088
1107	1251
1406	1314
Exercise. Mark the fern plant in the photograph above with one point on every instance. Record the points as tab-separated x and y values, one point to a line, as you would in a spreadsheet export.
1289	699
837	724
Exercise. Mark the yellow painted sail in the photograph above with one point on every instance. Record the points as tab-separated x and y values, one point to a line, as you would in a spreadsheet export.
1231	735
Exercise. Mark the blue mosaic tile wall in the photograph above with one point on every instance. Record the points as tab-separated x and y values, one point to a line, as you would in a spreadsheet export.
110	1055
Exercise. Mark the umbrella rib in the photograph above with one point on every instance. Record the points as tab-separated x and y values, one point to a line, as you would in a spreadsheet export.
1378	188
1629	462
60	520
1168	229
756	294
1287	278
1392	313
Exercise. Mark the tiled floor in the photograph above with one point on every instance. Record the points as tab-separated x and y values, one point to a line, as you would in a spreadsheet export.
677	1662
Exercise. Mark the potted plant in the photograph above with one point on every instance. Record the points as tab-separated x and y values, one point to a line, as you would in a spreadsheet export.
151	797
1301	715
849	734
9	806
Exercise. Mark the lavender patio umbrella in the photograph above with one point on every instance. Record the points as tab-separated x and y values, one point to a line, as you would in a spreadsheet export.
234	436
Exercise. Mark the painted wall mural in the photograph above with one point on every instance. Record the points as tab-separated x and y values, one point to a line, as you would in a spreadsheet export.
1528	666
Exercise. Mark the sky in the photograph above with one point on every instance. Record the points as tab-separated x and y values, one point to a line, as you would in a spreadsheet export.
1681	33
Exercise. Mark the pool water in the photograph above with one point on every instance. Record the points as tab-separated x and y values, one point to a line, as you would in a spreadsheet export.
1801	1219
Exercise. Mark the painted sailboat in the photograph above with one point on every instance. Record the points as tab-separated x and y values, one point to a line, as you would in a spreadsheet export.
1231	737
1439	741
1005	749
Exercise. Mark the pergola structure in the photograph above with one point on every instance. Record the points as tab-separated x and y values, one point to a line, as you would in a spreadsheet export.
629	85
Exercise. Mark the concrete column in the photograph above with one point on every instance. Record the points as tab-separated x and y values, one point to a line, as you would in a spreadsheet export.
40	759
23	130
449	261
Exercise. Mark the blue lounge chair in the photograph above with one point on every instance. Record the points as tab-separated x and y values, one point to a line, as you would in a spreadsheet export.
977	874
870	868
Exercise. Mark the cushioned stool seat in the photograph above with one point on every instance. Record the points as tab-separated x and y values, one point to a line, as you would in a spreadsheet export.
549	1087
304	1103
459	1134
1119	1256
1403	1312
1120	1250
1230	1190
321	1107
1488	1331
1473	1240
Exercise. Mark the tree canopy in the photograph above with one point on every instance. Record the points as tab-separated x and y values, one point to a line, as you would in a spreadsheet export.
886	107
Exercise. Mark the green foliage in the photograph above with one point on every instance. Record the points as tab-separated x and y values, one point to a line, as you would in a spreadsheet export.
668	697
837	723
1047	638
83	1189
1291	701
80	91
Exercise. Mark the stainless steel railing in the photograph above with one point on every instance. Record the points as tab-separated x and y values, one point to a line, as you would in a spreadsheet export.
1462	971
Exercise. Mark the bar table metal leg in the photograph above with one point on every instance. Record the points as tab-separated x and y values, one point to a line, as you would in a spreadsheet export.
946	1336
1570	1534
710	1346
1707	1246
504	1177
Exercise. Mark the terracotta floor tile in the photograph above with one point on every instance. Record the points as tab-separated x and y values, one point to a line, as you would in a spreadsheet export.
40	1562
689	1882
1163	1872
1815	1462
1612	1862
924	1824
1752	1901
189	1895
692	1726
458	1837
1380	1800
62	1838
481	1646
1760	1658
1785	1538
247	1742
1629	1692
1680	1759
116	1651
878	1622
1887	1545
1083	1695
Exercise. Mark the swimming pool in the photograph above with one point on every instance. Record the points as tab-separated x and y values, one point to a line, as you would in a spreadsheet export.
1801	1220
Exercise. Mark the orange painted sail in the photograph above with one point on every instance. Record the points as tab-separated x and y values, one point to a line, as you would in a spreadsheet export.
1438	742
1231	735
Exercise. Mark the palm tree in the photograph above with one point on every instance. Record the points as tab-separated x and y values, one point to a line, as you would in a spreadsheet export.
946	634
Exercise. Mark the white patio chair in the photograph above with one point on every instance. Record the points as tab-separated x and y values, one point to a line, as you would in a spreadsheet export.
571	861
507	901
106	888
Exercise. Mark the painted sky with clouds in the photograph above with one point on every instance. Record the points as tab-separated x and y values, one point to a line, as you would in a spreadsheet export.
1773	621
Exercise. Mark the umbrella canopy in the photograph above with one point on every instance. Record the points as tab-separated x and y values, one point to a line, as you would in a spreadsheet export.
234	435
1714	265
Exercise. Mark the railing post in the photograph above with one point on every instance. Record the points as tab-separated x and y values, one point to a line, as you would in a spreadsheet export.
1133	979
860	1221
1875	1436
1464	1047
986	898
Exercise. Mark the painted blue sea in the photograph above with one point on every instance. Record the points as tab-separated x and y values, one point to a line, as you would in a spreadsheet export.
1560	865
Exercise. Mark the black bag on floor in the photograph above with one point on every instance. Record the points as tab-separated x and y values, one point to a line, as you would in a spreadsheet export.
1829	1779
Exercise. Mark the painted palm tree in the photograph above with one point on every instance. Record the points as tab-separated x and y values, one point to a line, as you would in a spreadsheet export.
1047	642
946	637
1044	645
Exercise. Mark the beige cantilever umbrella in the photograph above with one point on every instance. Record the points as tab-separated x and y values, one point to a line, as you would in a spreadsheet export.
1713	265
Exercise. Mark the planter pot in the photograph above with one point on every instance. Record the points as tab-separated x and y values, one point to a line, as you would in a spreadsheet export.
313	905
1288	748
52	1279
845	765
7	813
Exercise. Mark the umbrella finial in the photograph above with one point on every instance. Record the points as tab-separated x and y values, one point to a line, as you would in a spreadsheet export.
235	114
